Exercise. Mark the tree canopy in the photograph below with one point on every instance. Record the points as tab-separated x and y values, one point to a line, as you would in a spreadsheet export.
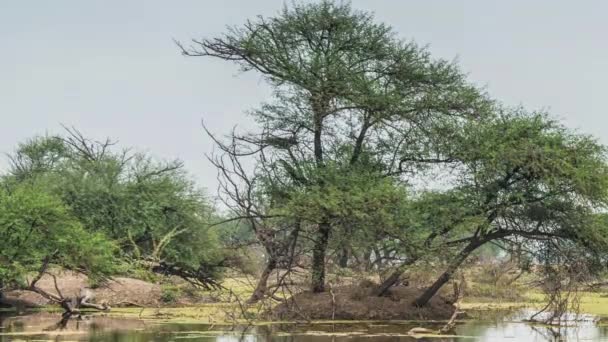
361	122
369	154
349	97
123	207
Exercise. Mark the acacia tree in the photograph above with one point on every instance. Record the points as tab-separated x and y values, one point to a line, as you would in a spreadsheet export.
37	232
155	214
347	95
524	176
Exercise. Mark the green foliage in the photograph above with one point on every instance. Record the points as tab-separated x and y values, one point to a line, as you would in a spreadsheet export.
170	294
525	180
351	104
36	156
346	196
151	210
533	147
358	115
35	226
358	124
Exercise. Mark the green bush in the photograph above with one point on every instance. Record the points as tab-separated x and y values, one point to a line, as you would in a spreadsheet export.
170	294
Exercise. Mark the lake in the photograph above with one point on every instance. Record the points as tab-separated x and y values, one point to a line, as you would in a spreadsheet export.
486	327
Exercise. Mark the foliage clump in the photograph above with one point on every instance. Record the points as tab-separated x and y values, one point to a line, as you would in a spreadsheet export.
83	205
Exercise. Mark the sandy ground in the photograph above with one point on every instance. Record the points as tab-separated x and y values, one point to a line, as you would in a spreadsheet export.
119	291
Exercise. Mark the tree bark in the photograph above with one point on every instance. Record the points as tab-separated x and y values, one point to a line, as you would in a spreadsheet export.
343	262
318	257
393	278
262	286
378	259
424	298
367	263
320	104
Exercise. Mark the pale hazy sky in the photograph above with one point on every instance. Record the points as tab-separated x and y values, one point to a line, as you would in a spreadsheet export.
110	67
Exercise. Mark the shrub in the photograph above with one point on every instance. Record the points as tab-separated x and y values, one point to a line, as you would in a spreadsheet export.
170	294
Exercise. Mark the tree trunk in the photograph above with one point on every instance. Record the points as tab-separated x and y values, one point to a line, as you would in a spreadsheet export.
262	286
423	299
318	258
367	255
393	278
378	258
343	262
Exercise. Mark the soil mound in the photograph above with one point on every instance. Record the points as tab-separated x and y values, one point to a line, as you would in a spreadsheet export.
117	292
355	303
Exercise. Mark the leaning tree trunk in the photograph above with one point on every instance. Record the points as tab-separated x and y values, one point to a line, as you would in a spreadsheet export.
71	305
393	278
274	255
424	298
262	286
318	258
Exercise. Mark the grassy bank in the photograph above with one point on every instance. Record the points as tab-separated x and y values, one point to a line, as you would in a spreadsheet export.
593	303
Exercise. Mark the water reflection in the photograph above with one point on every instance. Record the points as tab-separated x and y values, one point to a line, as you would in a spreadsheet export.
43	326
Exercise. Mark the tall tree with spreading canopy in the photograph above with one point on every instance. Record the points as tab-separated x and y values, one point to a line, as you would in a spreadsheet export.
348	95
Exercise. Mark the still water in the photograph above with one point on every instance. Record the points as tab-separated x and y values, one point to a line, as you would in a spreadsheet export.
44	327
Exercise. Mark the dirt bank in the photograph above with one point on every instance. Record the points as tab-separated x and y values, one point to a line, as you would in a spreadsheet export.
117	292
345	302
354	303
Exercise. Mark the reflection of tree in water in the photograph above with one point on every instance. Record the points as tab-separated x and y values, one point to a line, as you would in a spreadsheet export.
549	333
80	321
103	329
11	325
62	324
51	326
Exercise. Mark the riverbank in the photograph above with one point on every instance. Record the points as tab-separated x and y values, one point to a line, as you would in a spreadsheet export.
230	312
117	292
176	301
592	303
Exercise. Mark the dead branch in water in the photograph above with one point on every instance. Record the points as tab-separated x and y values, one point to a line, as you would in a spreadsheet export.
458	294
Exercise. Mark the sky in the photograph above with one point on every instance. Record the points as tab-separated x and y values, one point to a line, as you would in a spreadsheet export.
110	68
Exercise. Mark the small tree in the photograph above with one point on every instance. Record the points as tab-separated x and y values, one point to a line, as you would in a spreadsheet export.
524	176
151	209
39	232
